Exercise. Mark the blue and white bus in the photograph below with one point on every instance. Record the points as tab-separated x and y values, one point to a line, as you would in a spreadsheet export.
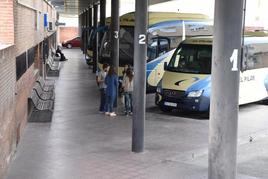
186	83
180	29
165	31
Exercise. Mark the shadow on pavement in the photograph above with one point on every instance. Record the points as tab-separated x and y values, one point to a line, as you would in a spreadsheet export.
177	113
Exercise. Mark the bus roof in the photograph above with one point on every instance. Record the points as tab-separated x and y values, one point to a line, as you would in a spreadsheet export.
158	17
202	40
207	40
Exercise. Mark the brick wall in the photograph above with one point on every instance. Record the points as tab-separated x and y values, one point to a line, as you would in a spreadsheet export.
67	33
27	36
7	107
14	94
6	21
25	33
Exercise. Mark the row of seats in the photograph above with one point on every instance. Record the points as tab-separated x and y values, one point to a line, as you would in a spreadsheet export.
53	64
41	100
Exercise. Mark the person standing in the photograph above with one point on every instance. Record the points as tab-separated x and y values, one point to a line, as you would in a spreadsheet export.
111	81
102	86
121	89
128	90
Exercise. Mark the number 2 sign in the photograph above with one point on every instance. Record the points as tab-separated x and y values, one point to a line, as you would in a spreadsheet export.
142	39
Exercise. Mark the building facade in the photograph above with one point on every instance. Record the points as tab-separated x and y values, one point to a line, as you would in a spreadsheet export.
27	27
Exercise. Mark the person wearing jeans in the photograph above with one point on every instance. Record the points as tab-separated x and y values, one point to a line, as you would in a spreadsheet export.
128	89
111	81
128	103
102	86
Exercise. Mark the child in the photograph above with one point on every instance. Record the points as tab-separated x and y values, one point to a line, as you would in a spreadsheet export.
128	89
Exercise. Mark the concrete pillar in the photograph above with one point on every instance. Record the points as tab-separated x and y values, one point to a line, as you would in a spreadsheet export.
225	89
96	43
82	20
102	12
85	31
102	15
140	57
79	25
90	21
115	33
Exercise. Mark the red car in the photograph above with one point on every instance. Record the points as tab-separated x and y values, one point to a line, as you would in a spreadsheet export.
75	42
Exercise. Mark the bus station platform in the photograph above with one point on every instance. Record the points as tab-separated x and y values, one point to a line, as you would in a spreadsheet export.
81	143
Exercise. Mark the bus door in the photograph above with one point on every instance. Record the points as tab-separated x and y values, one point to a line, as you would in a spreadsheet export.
157	46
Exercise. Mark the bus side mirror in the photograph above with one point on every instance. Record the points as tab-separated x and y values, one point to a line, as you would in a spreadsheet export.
247	60
165	66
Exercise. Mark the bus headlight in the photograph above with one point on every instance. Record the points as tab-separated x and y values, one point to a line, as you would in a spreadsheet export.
195	94
159	87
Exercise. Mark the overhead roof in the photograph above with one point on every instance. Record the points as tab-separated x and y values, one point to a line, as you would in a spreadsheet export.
158	17
75	7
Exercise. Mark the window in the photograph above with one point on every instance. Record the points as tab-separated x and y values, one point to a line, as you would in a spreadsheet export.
191	59
255	56
126	45
156	47
163	46
152	49
21	65
30	56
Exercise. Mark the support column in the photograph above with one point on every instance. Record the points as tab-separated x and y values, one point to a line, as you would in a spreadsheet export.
83	29
102	15
115	34
85	32
140	57
225	89
96	43
79	24
90	22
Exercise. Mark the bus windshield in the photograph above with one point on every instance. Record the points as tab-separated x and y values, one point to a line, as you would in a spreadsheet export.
191	59
126	46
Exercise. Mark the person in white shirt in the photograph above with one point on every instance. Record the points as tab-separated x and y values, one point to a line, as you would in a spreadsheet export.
102	86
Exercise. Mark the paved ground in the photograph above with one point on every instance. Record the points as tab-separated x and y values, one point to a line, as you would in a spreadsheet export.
81	144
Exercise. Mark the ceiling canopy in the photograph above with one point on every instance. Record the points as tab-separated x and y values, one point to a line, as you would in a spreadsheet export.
75	7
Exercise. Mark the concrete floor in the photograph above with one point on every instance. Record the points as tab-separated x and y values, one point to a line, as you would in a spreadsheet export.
82	144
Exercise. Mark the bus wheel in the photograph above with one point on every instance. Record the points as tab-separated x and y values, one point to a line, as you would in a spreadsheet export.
165	109
206	115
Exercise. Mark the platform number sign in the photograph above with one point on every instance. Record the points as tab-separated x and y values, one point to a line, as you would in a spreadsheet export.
116	34
142	39
233	59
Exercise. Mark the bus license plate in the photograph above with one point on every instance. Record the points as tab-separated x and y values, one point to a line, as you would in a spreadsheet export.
170	104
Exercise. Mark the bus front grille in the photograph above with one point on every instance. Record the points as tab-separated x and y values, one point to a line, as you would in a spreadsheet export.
174	94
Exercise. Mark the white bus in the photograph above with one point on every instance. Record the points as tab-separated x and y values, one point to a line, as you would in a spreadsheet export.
187	79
